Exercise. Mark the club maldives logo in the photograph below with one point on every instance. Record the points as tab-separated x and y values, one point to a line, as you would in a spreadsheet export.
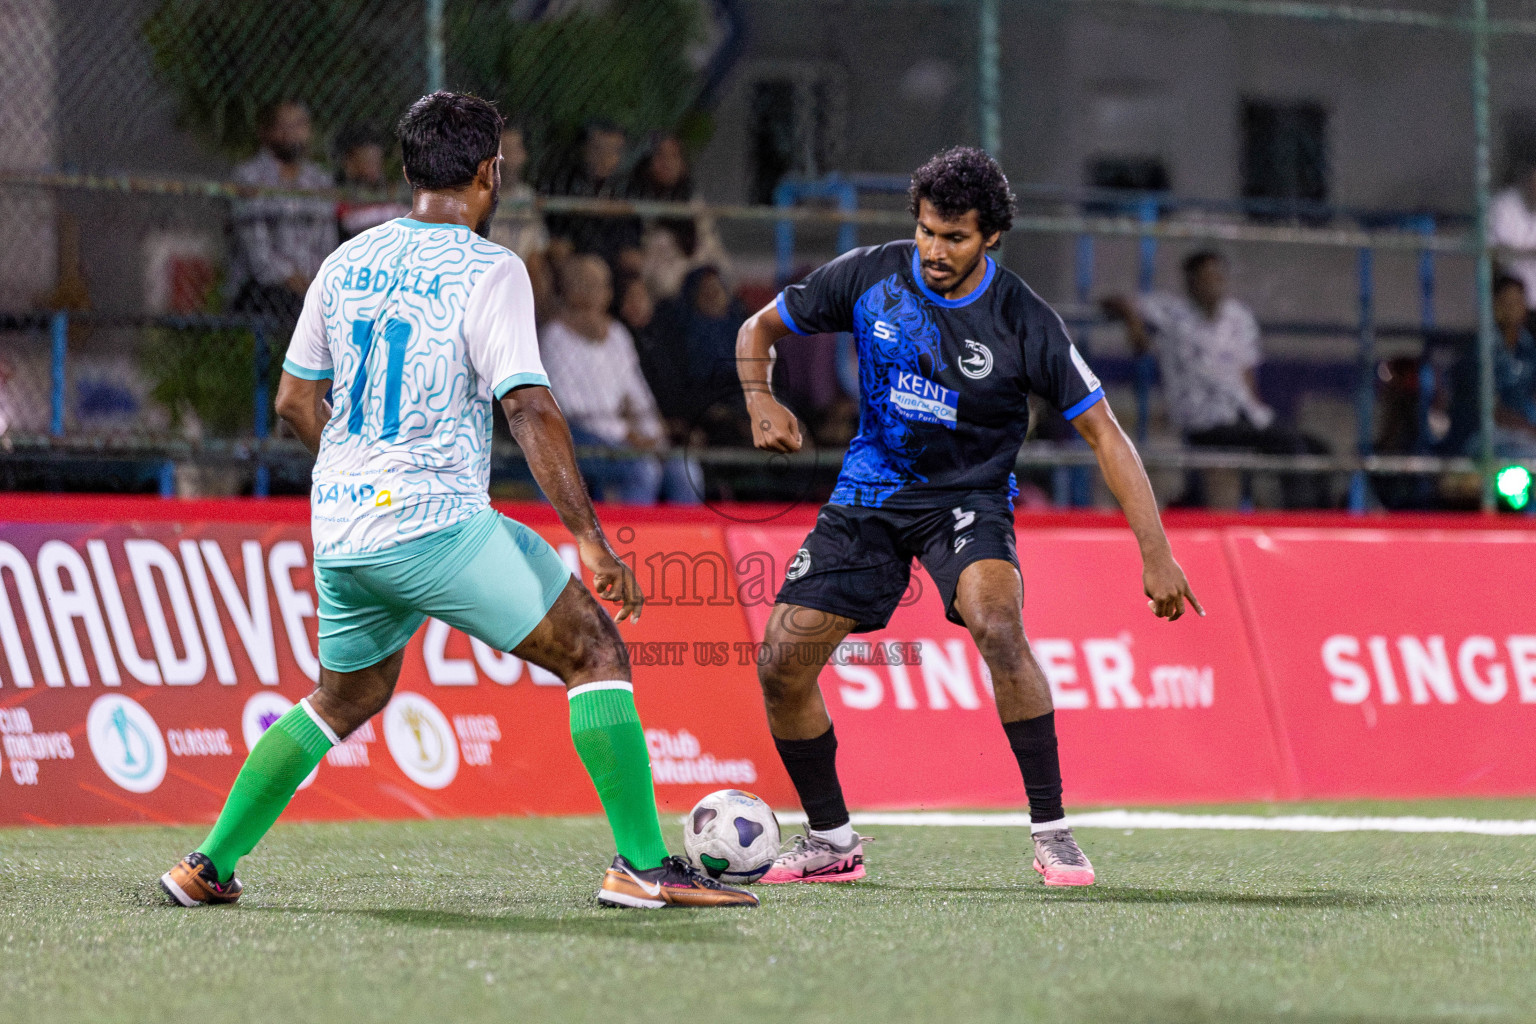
261	713
127	743
421	741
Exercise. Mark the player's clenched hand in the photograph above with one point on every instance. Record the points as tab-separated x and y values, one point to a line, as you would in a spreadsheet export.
1167	589
774	428
612	579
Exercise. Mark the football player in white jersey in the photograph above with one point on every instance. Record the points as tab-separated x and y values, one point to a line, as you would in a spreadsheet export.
415	328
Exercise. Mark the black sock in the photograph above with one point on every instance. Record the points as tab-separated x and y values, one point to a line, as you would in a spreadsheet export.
812	767
1034	743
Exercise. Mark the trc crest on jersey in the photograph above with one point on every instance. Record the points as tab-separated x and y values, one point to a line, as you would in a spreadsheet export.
799	565
977	361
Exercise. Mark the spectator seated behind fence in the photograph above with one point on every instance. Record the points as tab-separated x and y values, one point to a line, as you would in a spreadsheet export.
1512	223
673	246
700	324
594	174
595	375
662	359
1207	345
280	241
1514	375
518	226
360	154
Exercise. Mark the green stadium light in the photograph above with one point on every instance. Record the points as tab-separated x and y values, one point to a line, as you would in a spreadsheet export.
1513	484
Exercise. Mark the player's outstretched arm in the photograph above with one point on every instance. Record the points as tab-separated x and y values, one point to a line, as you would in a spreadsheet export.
302	405
774	428
1164	581
542	433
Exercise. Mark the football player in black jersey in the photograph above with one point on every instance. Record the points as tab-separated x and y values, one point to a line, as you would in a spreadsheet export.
950	347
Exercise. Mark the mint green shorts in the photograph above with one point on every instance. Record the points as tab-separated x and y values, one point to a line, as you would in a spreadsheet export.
490	576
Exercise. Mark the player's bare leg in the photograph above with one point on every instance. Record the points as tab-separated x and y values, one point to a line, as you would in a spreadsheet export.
284	756
990	597
797	644
578	641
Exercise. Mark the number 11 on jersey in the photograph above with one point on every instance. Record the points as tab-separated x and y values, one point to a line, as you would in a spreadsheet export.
397	336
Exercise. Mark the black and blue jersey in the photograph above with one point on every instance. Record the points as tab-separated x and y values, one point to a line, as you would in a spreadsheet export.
944	383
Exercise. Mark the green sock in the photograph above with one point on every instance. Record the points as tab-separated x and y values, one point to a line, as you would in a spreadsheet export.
606	730
284	755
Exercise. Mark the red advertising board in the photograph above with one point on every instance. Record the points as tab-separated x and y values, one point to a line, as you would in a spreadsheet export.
1401	663
144	646
141	660
1147	711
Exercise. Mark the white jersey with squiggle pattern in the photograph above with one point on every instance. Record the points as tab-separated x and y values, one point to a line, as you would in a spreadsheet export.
419	326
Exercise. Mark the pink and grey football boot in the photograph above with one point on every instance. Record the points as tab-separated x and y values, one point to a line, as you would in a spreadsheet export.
1060	860
813	859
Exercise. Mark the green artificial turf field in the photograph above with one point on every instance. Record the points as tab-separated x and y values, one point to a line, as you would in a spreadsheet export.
494	920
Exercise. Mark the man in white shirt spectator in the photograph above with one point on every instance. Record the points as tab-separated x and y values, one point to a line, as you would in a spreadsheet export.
1512	223
1207	346
595	374
280	241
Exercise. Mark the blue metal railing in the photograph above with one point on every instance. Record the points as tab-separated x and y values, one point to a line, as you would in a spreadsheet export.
57	326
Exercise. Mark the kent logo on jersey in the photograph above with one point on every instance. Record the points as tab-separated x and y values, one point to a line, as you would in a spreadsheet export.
921	399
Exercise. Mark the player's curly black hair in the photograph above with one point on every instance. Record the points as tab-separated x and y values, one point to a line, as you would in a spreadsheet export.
445	137
965	178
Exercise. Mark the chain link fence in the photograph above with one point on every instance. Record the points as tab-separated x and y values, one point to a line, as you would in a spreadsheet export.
1326	150
129	119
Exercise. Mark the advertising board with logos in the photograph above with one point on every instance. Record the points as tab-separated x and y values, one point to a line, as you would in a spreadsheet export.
144	648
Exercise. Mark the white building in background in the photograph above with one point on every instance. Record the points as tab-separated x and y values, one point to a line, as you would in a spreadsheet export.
876	87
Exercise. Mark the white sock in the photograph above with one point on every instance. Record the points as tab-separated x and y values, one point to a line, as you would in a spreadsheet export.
841	837
1047	826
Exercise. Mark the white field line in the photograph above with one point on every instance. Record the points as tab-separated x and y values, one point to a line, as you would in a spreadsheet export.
1222	822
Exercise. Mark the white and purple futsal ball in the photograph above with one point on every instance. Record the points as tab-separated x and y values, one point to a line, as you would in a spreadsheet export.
732	835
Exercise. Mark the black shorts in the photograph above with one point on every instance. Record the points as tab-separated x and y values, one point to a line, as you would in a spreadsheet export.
857	562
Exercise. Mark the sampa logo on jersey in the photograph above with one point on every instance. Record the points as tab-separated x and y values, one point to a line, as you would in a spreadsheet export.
919	398
421	741
261	713
127	743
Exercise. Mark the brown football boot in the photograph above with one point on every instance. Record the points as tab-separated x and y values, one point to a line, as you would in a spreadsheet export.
195	881
676	883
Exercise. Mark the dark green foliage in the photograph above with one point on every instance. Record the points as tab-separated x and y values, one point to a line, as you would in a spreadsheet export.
364	61
627	64
210	373
225	60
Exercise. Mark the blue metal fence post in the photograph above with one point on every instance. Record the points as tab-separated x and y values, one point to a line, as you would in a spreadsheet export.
262	484
1425	223
784	233
1084	268
1365	400
847	202
1146	212
436	48
1071	485
59	328
1143	367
